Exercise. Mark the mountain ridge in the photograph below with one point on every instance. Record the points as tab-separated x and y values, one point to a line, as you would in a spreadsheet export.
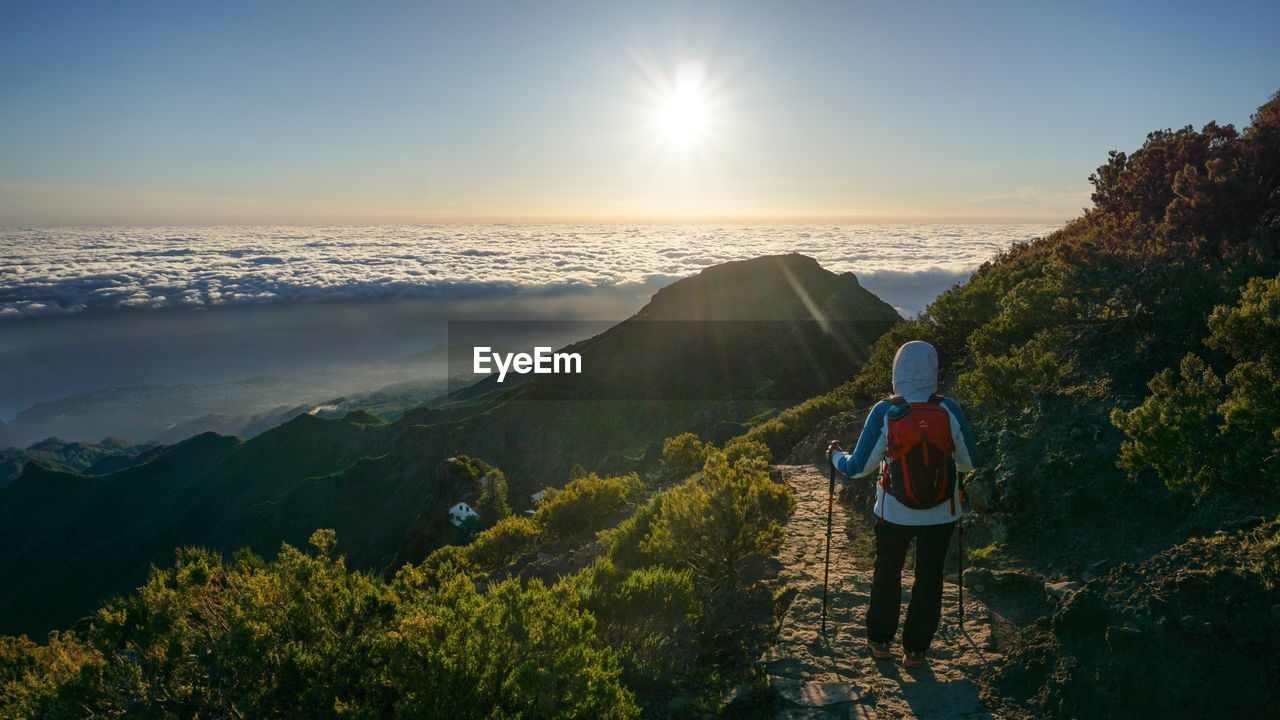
378	482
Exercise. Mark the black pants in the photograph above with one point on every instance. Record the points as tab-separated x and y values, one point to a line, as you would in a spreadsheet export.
925	610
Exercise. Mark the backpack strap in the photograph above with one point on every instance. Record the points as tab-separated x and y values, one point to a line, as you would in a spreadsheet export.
900	407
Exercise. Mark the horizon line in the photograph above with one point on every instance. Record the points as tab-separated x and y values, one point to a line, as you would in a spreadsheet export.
582	220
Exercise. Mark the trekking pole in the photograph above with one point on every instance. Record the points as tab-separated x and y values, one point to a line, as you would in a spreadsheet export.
826	571
960	588
960	547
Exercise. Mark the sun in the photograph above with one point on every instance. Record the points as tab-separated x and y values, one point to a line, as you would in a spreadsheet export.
682	115
683	110
682	118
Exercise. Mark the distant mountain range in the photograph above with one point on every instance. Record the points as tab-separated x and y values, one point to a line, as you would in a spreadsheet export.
707	354
99	458
169	413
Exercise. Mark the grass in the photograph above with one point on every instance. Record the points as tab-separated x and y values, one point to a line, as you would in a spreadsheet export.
973	555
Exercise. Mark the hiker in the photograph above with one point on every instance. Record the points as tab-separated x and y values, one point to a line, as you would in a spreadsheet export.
918	440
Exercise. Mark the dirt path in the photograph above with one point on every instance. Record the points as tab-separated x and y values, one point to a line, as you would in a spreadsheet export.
835	677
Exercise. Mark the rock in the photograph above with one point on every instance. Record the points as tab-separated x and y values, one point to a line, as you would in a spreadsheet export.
738	697
1060	590
976	576
1088	576
999	531
1081	613
981	494
982	529
1002	580
815	694
1120	637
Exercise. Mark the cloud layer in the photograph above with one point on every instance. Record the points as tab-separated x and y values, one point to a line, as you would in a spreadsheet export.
44	272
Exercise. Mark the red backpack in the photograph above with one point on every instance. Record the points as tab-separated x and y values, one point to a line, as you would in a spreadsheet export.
918	454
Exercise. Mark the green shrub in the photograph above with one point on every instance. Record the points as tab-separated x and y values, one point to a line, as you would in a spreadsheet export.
204	638
447	560
716	521
586	503
744	447
1198	430
623	544
301	636
31	675
1249	332
1174	432
649	615
492	504
1016	378
503	543
509	652
463	470
683	454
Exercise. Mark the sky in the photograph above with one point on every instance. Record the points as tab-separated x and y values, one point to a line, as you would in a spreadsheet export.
413	112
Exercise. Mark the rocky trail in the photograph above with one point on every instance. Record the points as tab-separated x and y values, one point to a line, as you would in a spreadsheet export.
833	676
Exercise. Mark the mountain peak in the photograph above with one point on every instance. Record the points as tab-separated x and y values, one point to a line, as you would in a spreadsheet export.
771	287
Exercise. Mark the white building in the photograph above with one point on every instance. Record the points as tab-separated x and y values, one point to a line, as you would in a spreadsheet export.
537	498
460	513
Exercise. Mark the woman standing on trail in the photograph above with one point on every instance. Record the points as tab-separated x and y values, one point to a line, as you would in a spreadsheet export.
918	440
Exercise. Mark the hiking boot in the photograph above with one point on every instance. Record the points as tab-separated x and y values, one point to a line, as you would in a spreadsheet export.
880	651
913	659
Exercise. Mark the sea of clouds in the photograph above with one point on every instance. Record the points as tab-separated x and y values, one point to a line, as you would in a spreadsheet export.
59	271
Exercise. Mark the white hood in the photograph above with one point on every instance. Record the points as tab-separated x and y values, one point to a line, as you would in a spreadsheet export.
915	371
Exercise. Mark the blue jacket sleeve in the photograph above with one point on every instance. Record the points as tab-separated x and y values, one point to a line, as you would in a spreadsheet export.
870	449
